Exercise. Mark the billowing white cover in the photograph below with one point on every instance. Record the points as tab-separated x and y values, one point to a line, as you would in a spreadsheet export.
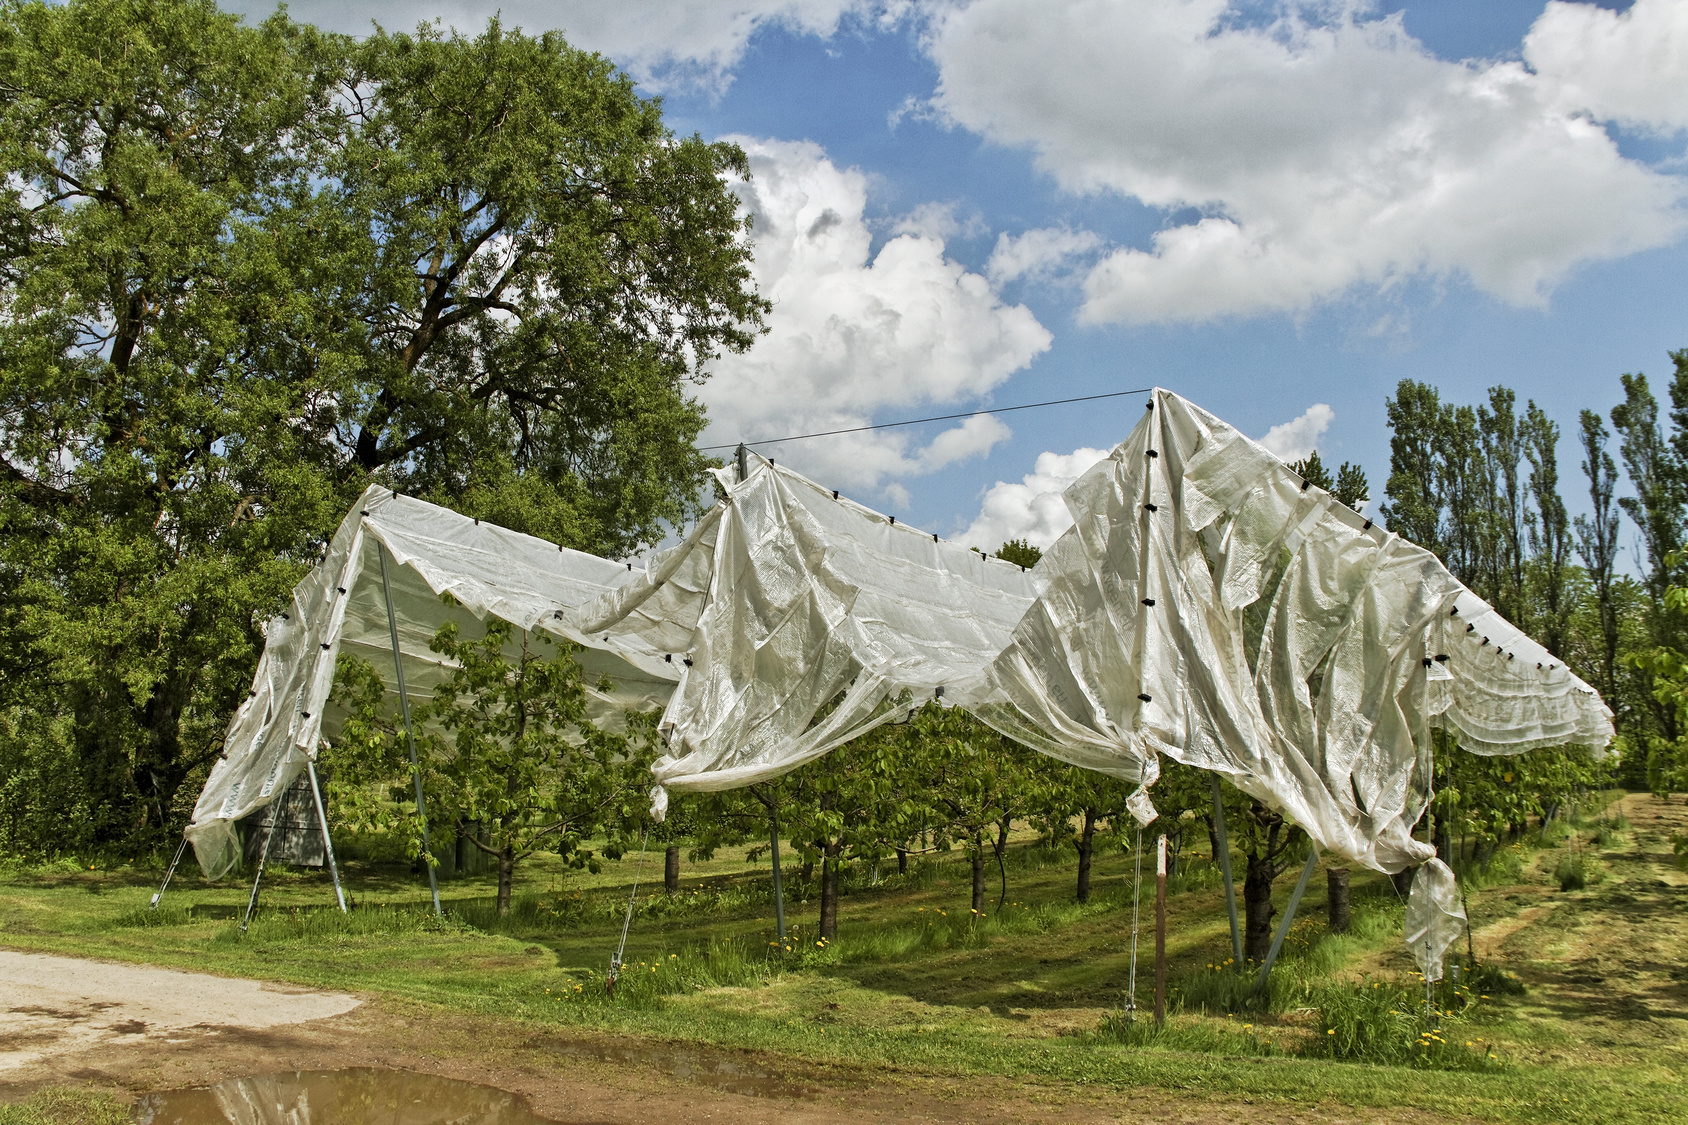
801	602
1435	917
1136	646
340	606
794	620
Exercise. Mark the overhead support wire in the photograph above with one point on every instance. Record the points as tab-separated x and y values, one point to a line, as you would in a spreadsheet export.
917	421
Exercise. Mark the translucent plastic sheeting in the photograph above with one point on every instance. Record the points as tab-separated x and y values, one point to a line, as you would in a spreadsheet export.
813	619
341	607
1210	605
1435	917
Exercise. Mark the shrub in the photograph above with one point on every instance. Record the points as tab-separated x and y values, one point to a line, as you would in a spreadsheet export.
1571	872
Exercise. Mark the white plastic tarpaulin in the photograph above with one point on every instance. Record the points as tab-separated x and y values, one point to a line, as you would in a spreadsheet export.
341	607
797	600
1435	917
1208	604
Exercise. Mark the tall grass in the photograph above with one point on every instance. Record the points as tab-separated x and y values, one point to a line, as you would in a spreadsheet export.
1391	1022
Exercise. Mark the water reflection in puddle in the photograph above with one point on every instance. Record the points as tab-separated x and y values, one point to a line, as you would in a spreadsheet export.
338	1097
719	1072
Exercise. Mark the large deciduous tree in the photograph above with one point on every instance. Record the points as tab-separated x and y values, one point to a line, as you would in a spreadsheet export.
246	271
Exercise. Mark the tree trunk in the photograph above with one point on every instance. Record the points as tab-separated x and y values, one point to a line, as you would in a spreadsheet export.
506	876
1086	845
1336	884
1443	838
829	892
1257	904
1001	849
1403	881
671	870
806	870
978	873
902	861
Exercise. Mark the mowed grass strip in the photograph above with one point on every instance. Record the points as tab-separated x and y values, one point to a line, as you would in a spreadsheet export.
916	984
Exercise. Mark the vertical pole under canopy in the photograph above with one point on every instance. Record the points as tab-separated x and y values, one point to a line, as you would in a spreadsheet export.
779	885
263	857
327	844
409	733
742	457
1224	858
1160	933
1289	915
168	872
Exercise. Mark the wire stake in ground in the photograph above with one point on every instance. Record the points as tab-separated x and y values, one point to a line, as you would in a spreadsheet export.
627	922
168	872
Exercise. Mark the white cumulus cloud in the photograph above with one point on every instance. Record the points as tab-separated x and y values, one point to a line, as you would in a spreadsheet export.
1038	254
1326	149
1033	509
1297	438
854	333
1630	67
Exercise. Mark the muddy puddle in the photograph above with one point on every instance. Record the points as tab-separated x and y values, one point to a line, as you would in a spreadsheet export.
718	1072
340	1097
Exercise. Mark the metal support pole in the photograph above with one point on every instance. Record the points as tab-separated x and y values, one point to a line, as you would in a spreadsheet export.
327	843
168	872
1224	858
409	733
1160	932
263	857
1289	916
1136	902
779	884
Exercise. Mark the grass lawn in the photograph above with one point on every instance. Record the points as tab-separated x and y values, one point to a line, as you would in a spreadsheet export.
1592	1030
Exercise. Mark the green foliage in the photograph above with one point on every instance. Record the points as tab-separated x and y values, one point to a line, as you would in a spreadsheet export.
245	272
1349	485
1383	1021
1019	552
505	745
1571	872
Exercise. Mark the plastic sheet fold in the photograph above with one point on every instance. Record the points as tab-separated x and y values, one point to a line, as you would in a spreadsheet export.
1435	917
341	607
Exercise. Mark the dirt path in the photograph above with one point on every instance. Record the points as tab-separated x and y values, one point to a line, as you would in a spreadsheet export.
137	1030
58	1006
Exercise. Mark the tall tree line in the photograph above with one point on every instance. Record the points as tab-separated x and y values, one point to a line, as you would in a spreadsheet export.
1480	485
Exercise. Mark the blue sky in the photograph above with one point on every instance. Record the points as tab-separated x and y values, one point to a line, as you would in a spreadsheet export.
1278	210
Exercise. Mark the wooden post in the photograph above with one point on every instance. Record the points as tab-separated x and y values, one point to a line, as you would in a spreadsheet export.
1336	885
1160	933
671	870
